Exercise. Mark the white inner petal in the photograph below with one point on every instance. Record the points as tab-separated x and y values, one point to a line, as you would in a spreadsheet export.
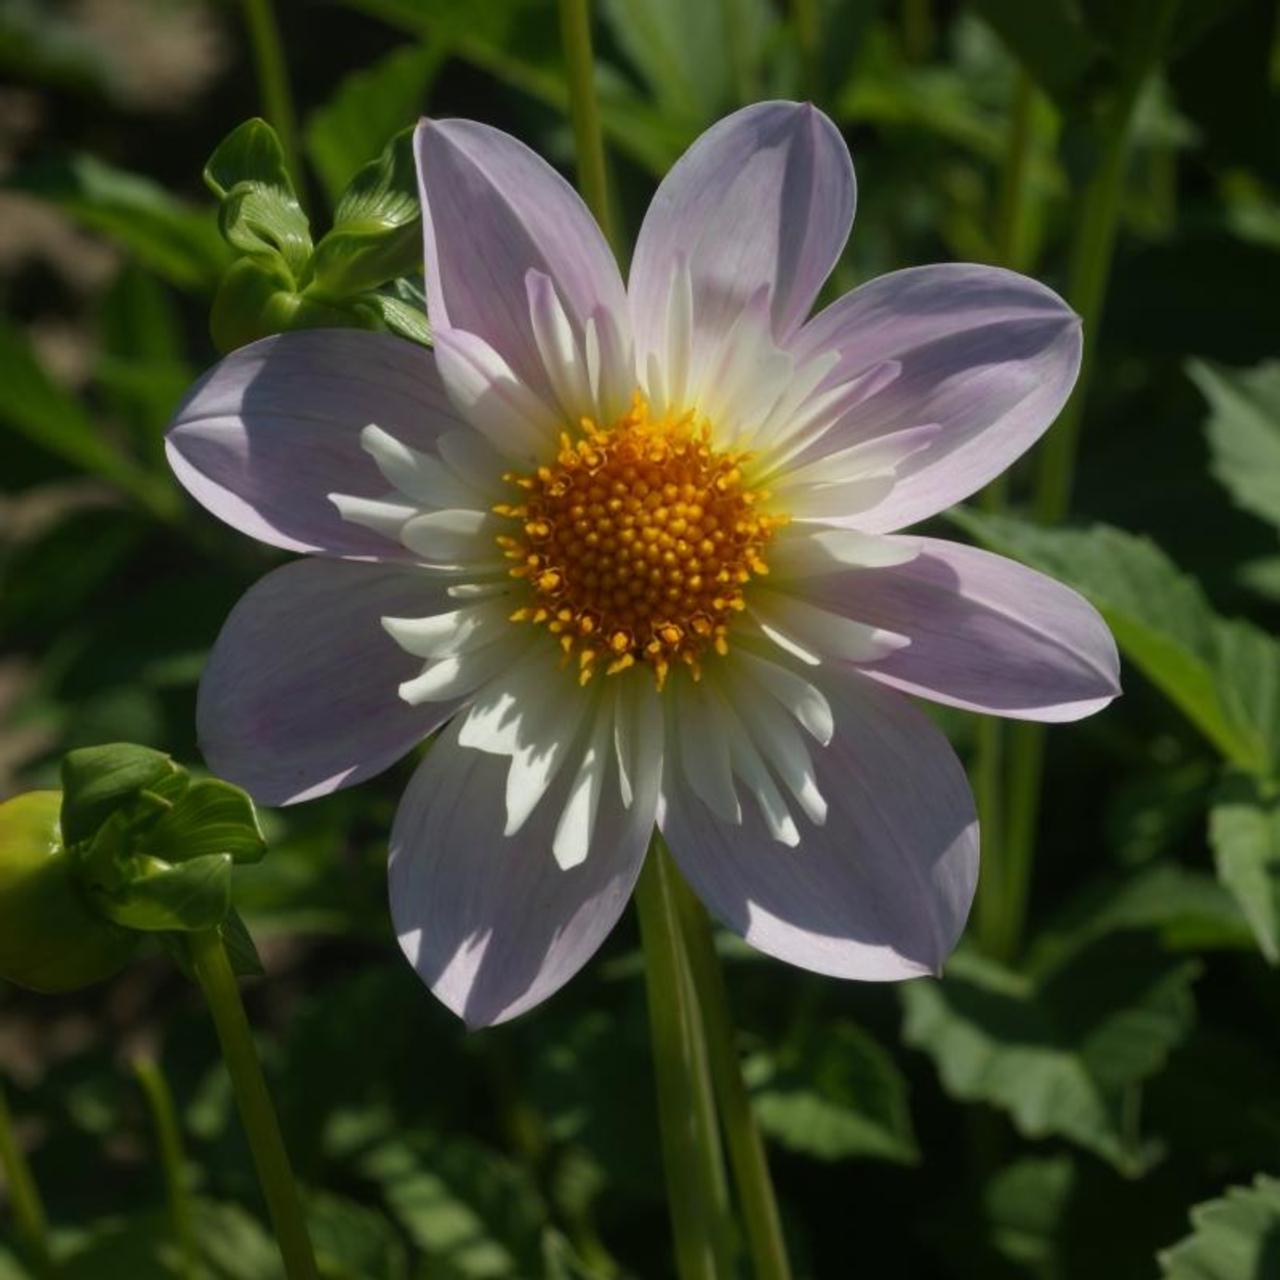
805	550
812	634
577	823
386	515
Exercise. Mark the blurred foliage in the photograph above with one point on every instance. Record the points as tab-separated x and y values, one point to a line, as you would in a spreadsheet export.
1054	1118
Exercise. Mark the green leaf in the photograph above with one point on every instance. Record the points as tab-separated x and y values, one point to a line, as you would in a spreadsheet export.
1061	1054
34	406
1025	1204
259	212
1236	1237
96	780
1224	676
352	1242
257	298
474	1214
368	109
377	227
183	898
212	816
835	1094
1244	830
397	316
1243	430
177	241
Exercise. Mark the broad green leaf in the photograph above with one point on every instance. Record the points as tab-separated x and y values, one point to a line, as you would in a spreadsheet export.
1243	429
183	898
472	1213
1224	676
353	1242
836	1094
259	212
233	1244
95	780
1187	910
377	227
369	108
1025	1204
1244	829
212	816
34	406
176	240
1236	1237
1061	1054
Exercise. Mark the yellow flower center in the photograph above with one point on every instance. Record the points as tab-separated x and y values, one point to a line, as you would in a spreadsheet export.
637	542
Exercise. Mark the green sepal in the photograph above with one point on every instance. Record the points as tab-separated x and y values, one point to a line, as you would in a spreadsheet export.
395	315
211	817
179	897
259	213
257	298
377	227
241	952
96	780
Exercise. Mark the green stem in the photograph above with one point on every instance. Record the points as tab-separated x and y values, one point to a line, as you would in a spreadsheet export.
686	1108
593	182
24	1197
746	1148
917	29
222	994
273	82
807	22
1090	267
1014	213
172	1159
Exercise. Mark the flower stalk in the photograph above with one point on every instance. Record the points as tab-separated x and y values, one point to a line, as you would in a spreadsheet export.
1090	268
584	109
695	1178
164	1116
24	1198
747	1155
273	81
262	1128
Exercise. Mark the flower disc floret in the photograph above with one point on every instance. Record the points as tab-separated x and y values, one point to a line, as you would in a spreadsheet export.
638	543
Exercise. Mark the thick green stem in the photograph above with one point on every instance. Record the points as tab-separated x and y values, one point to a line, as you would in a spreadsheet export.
1090	268
273	82
24	1198
686	1108
275	1176
746	1147
593	182
173	1161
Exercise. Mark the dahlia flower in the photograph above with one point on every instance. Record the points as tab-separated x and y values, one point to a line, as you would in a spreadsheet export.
632	551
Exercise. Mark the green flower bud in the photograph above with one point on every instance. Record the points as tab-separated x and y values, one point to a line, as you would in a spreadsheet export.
51	938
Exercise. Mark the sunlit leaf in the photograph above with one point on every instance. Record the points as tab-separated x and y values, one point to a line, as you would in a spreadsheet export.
470	1211
1236	1237
835	1094
1060	1054
1223	675
1243	429
95	780
1244	828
